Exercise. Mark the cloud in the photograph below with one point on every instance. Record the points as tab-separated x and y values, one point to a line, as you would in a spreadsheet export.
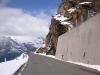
18	24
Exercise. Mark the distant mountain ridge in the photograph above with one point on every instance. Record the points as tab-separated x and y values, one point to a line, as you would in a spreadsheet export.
10	48
8	44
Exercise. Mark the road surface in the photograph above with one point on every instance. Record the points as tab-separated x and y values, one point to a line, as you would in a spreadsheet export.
41	65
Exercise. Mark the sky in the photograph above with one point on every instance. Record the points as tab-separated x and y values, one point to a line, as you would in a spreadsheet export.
26	20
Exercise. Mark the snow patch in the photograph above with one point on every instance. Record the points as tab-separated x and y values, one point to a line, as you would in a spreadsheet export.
71	10
60	17
10	67
43	45
63	21
70	26
85	3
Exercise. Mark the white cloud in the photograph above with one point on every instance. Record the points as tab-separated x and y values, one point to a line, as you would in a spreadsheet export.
15	22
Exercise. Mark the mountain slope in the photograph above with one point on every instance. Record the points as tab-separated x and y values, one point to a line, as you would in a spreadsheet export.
10	48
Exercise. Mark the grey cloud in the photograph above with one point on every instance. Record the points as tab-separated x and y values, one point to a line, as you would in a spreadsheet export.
15	22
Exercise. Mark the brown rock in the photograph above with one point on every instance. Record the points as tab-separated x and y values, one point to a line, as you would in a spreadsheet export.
42	50
56	29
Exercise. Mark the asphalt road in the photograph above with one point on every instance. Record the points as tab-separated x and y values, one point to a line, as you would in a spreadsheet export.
41	65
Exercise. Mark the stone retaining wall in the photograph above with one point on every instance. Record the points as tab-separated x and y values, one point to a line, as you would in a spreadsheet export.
82	44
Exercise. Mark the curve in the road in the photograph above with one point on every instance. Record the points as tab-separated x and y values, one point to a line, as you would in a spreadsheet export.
41	65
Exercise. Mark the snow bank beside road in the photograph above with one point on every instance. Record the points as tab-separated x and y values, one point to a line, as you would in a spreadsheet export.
44	54
10	67
97	67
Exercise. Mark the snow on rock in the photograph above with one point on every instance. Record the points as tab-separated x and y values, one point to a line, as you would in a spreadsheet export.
60	17
63	21
97	67
43	45
10	67
71	10
85	3
70	26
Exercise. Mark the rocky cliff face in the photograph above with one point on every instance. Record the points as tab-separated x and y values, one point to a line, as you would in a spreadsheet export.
70	14
56	29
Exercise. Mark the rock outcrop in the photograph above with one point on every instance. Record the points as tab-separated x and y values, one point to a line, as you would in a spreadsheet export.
56	29
70	14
